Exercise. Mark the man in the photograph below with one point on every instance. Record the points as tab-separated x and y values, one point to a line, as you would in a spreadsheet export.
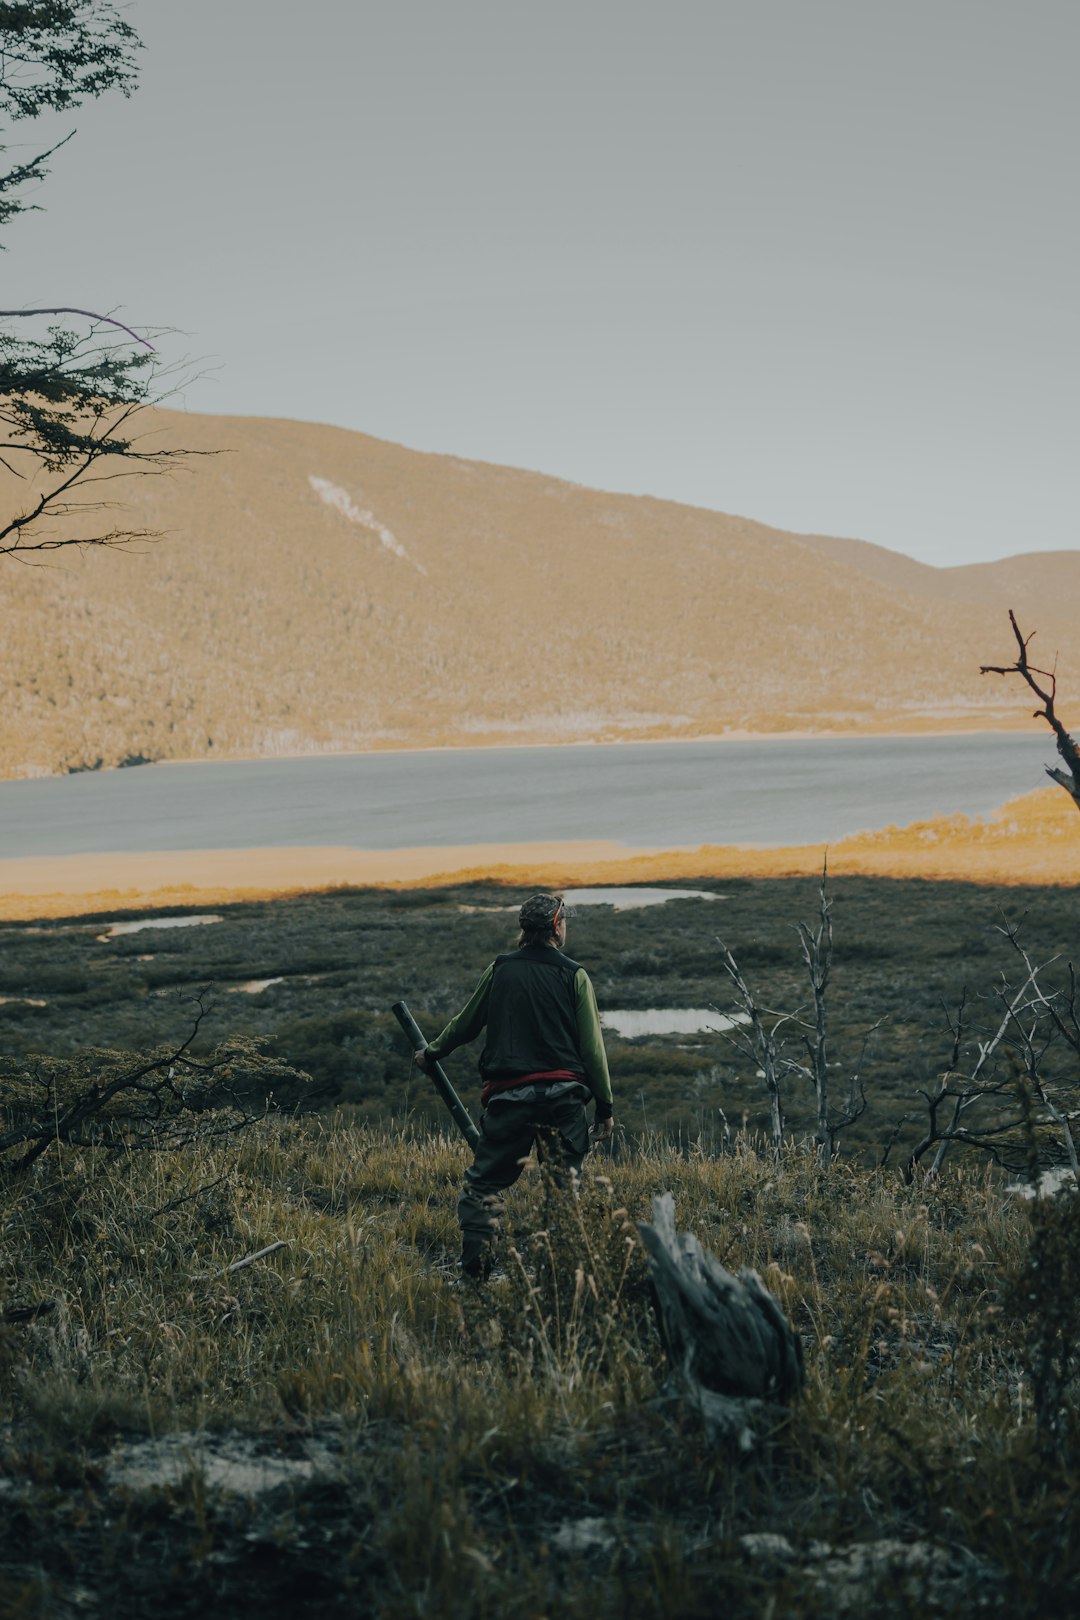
542	1062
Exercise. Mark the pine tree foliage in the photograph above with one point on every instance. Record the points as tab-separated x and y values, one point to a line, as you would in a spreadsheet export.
55	54
68	396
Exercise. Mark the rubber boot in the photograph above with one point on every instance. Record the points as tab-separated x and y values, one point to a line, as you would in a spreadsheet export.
475	1258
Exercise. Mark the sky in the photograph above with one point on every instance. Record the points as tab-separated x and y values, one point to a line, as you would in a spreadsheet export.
814	262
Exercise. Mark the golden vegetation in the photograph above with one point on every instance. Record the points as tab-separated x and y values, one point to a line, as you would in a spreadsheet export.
1033	839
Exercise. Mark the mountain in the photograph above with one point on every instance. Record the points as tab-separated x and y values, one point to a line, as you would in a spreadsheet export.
317	589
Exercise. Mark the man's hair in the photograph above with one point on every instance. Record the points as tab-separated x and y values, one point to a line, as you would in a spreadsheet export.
537	918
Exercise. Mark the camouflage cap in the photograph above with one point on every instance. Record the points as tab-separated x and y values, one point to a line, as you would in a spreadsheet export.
541	911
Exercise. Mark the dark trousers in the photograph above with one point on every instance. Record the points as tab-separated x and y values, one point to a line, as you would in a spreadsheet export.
558	1126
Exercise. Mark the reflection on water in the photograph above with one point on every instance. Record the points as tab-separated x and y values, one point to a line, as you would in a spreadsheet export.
626	899
253	986
23	1001
158	922
631	1022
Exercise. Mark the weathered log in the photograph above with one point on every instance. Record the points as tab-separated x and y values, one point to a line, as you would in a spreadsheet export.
725	1334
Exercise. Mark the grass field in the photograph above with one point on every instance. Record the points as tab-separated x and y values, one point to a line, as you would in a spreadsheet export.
352	1430
342	1427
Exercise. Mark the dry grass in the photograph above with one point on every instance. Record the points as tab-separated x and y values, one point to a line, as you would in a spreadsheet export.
472	1434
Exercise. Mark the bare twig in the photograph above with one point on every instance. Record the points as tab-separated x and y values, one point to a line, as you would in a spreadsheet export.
65	309
260	1254
1024	1031
238	1265
188	1197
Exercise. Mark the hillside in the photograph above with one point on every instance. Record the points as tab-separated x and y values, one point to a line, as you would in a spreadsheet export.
319	589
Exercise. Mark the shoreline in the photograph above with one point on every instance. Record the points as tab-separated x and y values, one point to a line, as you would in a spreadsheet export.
736	734
1033	839
509	740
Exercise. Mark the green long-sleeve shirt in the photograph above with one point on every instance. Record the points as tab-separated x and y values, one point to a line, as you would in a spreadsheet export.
468	1023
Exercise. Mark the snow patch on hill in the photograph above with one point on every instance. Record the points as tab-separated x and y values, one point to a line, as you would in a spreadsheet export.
342	502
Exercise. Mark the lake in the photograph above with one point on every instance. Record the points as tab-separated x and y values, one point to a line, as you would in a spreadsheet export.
663	795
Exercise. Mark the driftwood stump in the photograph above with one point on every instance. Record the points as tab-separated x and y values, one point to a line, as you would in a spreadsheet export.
729	1343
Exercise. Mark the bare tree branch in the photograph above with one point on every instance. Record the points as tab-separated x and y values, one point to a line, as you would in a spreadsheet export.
1066	744
765	1048
111	1100
66	309
1033	1050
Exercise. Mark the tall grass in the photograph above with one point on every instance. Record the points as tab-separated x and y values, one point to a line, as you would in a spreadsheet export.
520	1449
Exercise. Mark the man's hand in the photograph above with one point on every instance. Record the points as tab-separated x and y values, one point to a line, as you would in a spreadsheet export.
602	1130
422	1060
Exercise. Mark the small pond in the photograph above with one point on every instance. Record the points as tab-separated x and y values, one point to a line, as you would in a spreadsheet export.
193	921
631	1022
625	898
629	898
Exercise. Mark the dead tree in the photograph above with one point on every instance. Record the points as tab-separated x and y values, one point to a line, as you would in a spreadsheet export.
991	1108
117	1100
763	1047
958	1095
766	1048
816	950
1067	747
726	1336
1033	1040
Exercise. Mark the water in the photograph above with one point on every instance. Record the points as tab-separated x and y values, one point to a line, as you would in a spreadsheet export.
630	899
622	898
661	795
194	920
630	1022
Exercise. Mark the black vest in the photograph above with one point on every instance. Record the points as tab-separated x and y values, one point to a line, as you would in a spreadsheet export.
531	1014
